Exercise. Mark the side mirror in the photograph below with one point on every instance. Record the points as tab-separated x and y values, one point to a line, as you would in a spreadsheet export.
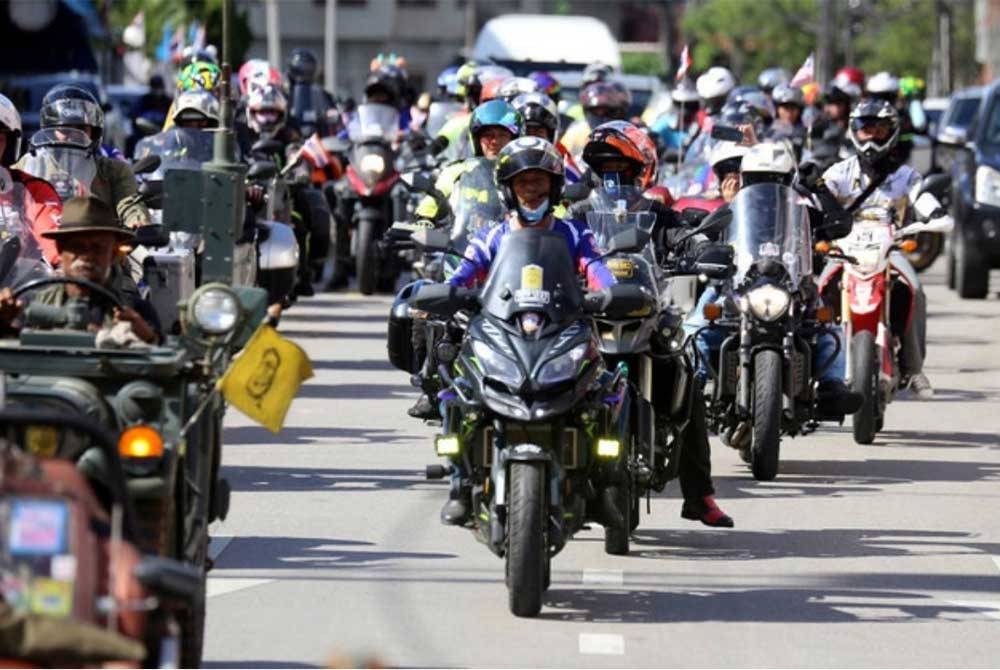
938	185
146	127
727	133
444	299
928	207
631	240
439	144
169	579
576	192
146	164
152	236
262	170
266	147
618	301
953	136
9	252
432	239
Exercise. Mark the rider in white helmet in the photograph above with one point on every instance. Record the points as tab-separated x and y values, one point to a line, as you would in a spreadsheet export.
713	87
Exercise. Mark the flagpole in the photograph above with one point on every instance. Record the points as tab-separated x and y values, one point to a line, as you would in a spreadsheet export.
273	36
330	46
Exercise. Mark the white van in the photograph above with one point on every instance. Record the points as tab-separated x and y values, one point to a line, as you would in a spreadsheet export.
526	42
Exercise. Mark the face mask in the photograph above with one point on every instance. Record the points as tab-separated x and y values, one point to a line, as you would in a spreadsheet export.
533	215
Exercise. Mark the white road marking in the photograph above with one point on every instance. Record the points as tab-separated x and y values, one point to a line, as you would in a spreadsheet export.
986	608
217	545
218	586
604	577
996	561
602	643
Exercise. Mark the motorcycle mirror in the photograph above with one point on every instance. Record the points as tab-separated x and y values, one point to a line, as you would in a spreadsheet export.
146	127
417	181
727	133
152	236
262	170
9	253
439	144
267	147
693	216
576	192
937	185
432	239
169	579
444	299
927	207
146	164
617	301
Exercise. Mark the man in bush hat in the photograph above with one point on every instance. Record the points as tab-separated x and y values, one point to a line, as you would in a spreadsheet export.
88	239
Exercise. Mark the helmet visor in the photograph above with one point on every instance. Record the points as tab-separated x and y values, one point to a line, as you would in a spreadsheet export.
869	128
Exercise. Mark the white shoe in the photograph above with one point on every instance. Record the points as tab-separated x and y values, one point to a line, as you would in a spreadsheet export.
921	387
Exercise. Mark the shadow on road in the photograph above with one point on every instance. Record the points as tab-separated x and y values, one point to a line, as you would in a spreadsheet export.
373	364
664	544
355	391
924	439
276	553
257	664
333	333
241	435
264	478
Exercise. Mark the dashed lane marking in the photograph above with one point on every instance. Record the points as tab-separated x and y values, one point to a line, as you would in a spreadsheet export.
217	545
218	586
604	577
602	643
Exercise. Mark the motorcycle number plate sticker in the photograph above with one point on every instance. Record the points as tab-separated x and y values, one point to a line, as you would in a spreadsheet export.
51	597
621	268
531	292
38	527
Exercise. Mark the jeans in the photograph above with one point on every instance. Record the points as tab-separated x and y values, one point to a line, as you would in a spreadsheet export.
710	342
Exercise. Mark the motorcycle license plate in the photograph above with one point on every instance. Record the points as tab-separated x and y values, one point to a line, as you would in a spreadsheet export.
42	441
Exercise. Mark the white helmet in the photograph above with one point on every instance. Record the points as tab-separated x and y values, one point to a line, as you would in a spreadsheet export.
717	82
10	124
726	157
515	86
768	162
883	84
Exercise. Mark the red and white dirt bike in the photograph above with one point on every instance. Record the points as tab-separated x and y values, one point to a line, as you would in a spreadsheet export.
870	280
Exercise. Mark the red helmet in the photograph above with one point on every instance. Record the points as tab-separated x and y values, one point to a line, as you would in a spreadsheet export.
616	140
850	75
661	194
257	73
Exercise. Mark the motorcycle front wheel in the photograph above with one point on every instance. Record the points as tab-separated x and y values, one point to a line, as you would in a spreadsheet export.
527	553
864	380
766	415
367	261
929	247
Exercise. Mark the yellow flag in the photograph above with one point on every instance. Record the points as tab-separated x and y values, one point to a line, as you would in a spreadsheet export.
264	378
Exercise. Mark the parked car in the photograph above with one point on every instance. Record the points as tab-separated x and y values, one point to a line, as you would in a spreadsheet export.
969	150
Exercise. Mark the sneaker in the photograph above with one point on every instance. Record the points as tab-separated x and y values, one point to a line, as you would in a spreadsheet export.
707	511
424	408
921	387
454	513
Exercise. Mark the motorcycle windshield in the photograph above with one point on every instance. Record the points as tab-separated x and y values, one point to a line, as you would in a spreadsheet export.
60	157
475	203
20	255
615	211
770	222
533	272
439	114
374	122
178	148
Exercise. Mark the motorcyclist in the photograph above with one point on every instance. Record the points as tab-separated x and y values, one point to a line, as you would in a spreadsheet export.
789	103
885	86
25	201
602	101
308	101
874	131
770	162
678	130
594	72
713	87
197	109
199	75
71	107
541	119
772	78
152	106
624	157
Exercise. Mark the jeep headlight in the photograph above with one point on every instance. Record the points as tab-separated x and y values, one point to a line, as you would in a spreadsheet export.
563	367
497	366
215	310
988	186
768	302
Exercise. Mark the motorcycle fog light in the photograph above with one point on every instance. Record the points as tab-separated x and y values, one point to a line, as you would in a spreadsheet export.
768	302
372	163
608	447
215	310
447	445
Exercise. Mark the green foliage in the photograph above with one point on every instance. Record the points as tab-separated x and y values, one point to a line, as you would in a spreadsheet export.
642	63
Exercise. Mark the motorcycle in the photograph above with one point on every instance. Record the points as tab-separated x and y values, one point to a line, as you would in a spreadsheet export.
763	377
538	423
371	176
64	158
870	288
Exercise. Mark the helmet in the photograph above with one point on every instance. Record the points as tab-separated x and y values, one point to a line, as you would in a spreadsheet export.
873	112
447	82
514	86
773	77
715	85
596	72
538	109
68	105
494	113
685	94
196	106
302	66
266	110
491	90
755	98
10	125
725	157
844	93
610	95
770	162
200	75
850	75
207	54
912	87
547	84
257	72
788	95
741	114
883	85
469	85
618	140
521	155
385	82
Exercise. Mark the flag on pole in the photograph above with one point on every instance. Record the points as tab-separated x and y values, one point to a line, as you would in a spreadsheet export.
314	151
177	45
163	51
805	74
685	64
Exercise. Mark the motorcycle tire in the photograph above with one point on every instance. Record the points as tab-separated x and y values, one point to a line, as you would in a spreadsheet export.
635	509
864	380
616	531
950	268
929	247
972	275
767	398
527	551
367	256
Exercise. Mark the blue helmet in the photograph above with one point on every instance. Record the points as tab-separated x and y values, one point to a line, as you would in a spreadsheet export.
495	112
447	81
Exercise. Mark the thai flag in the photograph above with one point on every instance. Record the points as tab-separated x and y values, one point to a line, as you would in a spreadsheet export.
571	170
685	64
314	151
805	74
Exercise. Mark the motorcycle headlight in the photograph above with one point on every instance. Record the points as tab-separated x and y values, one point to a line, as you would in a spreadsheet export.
563	367
988	186
372	163
497	366
768	302
215	310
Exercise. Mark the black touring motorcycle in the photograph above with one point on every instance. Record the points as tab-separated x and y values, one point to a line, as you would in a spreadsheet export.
534	425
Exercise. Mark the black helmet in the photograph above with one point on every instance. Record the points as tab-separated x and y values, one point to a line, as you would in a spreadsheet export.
384	81
521	155
538	109
68	105
302	66
873	112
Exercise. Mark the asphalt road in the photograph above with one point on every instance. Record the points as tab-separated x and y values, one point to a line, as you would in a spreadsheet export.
856	556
